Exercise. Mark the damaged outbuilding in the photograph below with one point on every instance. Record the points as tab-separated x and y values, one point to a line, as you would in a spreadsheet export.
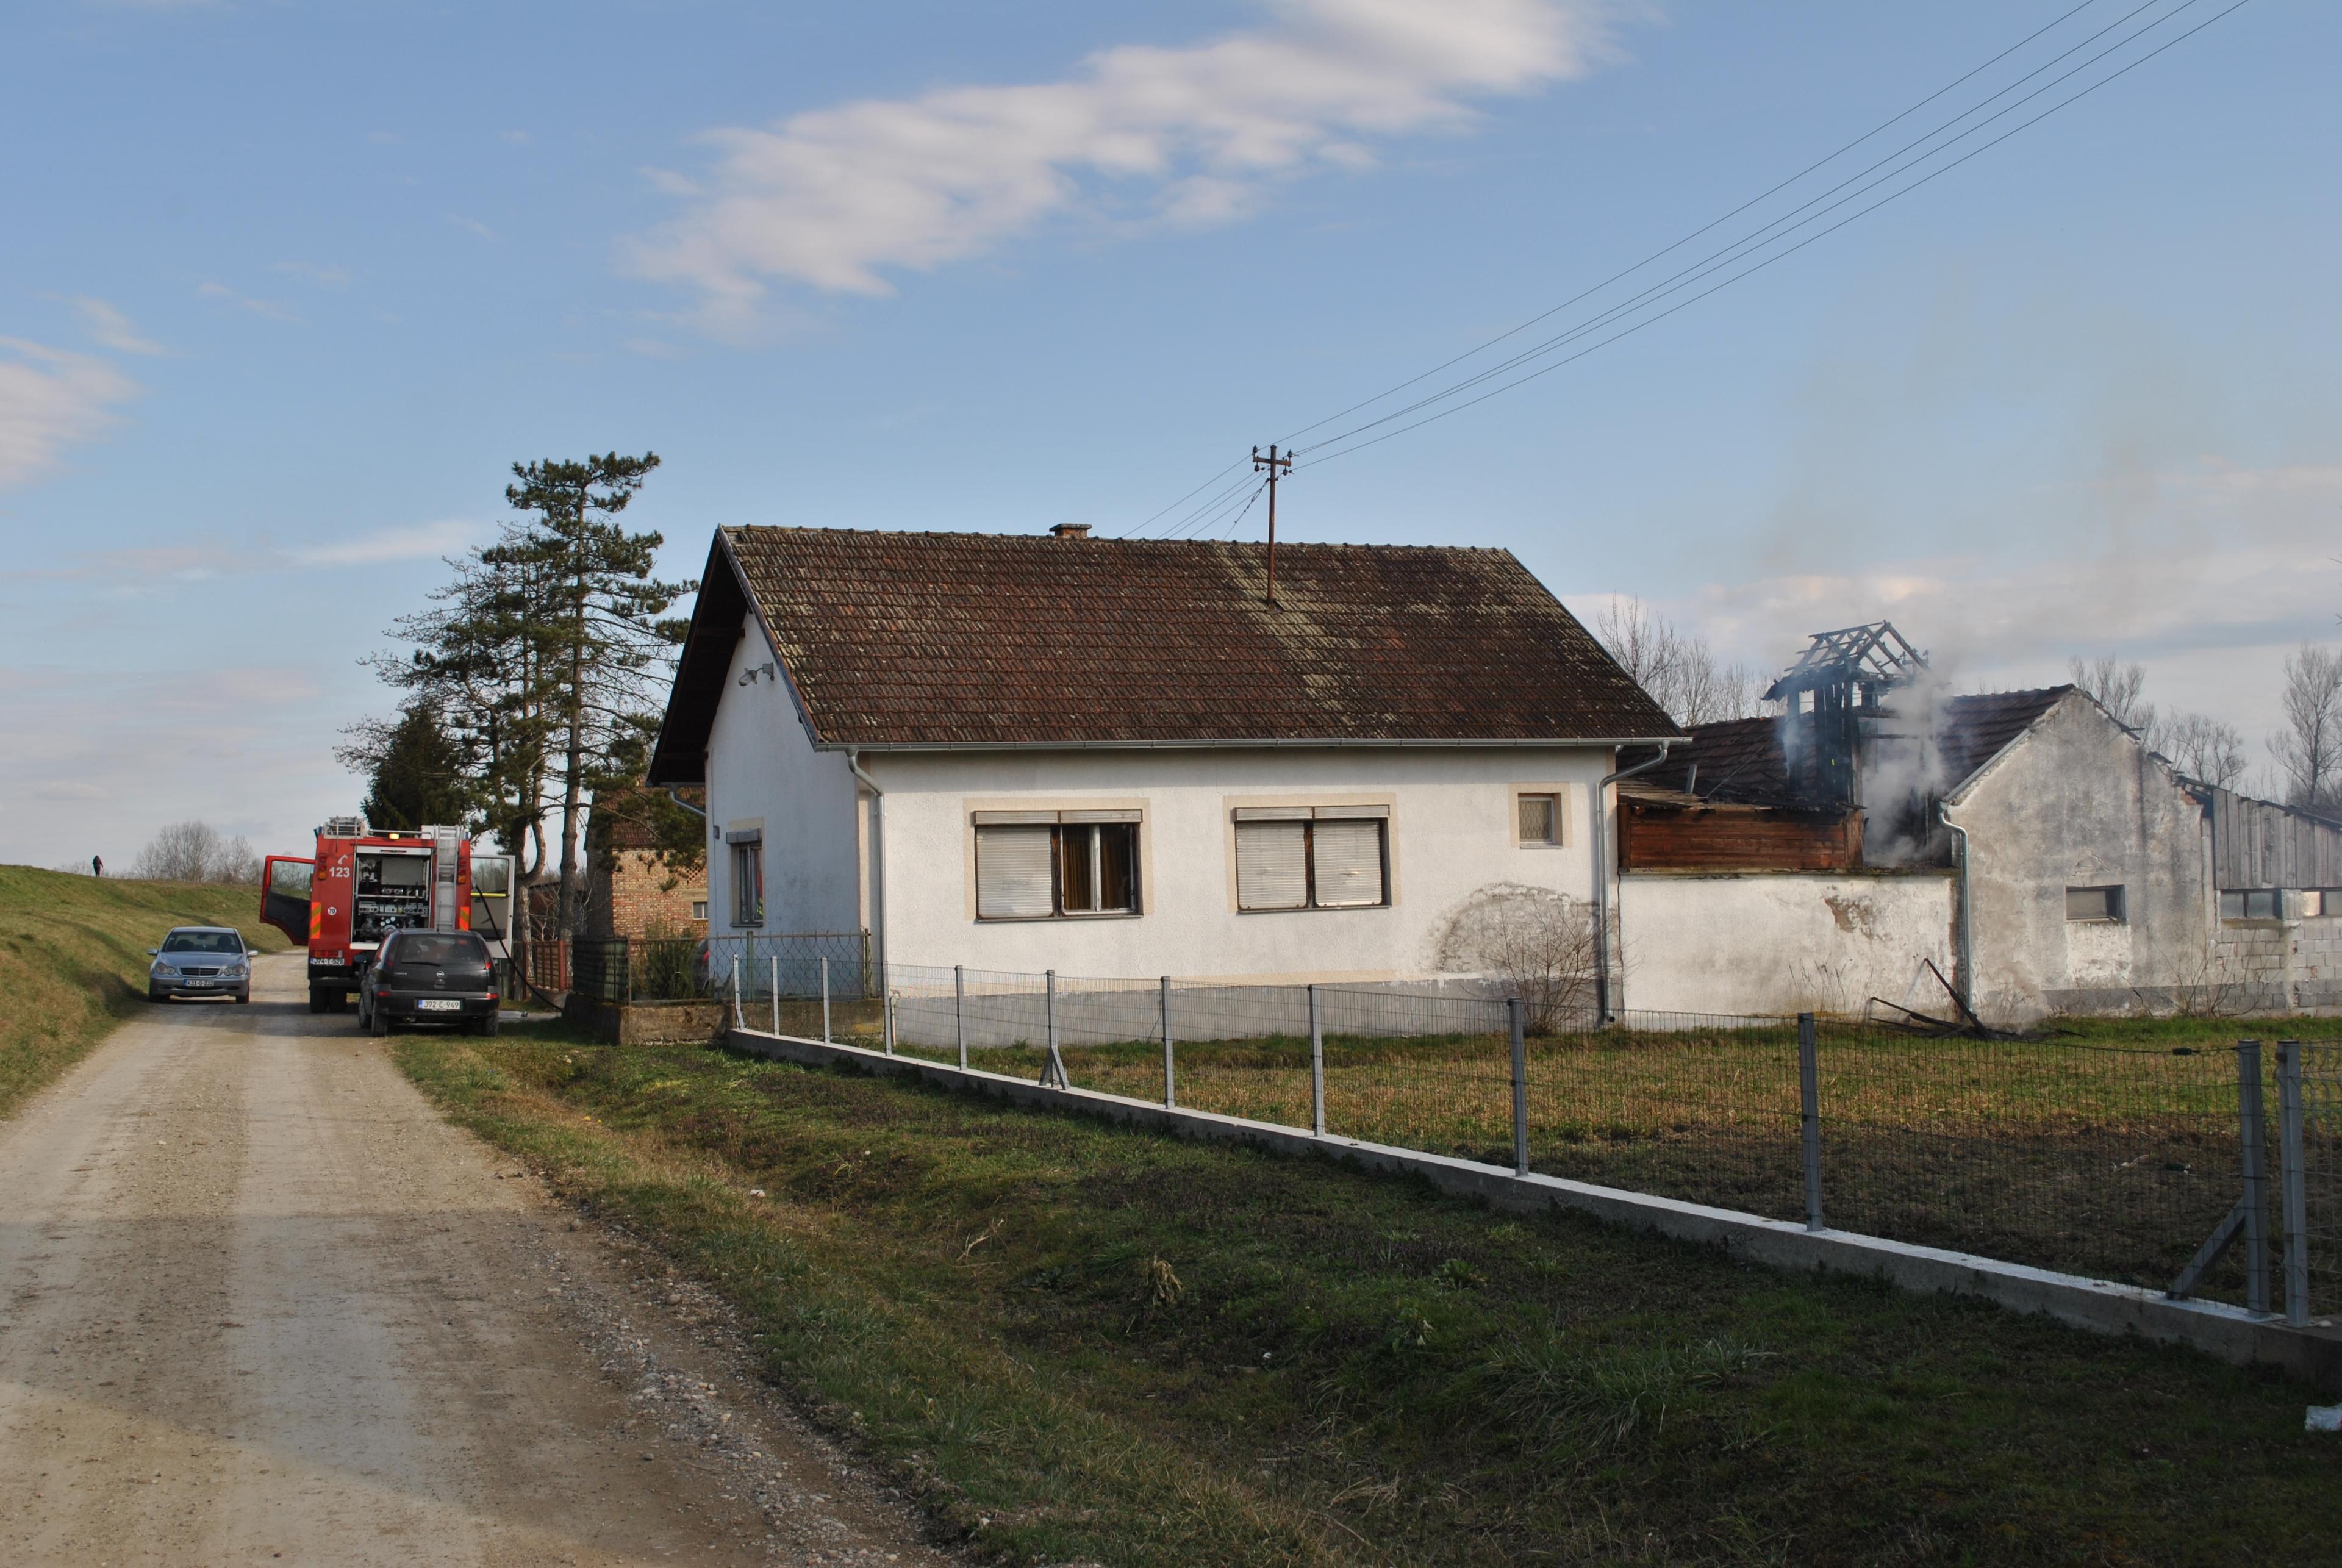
1813	859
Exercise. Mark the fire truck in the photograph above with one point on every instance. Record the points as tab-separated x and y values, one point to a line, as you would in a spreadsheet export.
363	883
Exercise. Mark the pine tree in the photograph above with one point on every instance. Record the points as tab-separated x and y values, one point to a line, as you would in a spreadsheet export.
418	777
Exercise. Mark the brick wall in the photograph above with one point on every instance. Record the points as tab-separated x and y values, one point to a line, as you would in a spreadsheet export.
635	898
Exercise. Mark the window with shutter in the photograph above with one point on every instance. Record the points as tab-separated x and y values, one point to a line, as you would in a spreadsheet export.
1272	865
1348	862
1045	865
1013	878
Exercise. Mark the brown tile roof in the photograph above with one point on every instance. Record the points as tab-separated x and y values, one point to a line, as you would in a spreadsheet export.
971	639
1741	759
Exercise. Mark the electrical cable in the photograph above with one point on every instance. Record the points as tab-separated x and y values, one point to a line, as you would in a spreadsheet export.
1726	255
1759	267
1678	245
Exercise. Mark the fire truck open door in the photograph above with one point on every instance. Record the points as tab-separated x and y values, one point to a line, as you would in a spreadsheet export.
284	896
491	901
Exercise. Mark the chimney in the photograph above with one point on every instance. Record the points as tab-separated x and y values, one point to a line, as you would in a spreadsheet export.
1070	530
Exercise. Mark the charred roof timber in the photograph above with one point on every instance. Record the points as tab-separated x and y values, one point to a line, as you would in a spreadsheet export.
1839	681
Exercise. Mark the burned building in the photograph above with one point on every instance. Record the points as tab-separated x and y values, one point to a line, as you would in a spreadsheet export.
2027	845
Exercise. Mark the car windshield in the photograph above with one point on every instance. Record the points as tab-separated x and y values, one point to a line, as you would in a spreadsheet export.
203	942
460	947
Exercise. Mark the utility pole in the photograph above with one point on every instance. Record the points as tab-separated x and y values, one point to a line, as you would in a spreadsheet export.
1277	468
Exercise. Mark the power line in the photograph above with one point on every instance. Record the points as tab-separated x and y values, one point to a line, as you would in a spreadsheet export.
1678	245
1726	254
1893	195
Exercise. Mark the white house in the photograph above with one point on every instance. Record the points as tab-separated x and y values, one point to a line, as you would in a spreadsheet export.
1121	758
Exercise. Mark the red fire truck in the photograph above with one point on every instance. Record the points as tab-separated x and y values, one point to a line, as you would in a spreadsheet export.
363	883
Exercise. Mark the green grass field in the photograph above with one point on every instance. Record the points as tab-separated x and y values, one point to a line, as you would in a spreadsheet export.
2106	1147
73	960
1079	1342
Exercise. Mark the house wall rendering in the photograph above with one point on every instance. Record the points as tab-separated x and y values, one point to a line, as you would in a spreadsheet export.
1779	943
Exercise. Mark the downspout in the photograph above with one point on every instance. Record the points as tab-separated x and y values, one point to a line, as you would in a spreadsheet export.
1602	881
1968	919
877	854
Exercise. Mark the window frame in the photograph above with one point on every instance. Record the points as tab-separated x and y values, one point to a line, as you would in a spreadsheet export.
748	849
1308	816
1058	821
2116	899
2247	896
1555	792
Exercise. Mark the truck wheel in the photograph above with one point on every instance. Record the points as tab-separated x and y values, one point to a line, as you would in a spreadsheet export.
317	999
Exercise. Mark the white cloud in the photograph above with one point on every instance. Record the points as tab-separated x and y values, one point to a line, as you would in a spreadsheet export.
2217	572
112	328
50	398
420	542
836	198
270	309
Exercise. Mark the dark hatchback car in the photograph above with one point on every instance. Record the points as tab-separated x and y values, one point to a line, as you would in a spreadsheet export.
443	977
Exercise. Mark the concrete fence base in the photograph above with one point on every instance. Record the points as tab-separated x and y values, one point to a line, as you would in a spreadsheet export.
2232	1333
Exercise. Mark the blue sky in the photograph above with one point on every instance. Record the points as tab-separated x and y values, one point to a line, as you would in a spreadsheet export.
286	286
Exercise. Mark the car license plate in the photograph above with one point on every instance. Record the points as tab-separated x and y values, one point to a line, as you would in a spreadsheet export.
201	982
438	1004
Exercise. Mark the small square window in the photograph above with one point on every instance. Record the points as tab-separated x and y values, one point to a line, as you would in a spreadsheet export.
2103	903
699	909
1539	819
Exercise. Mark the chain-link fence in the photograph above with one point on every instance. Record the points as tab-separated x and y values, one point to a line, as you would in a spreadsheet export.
2116	1160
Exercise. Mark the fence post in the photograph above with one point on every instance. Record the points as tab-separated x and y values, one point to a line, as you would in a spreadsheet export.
777	995
1317	1069
2296	1184
825	999
1170	1093
1810	1114
886	1015
2253	1130
1054	1069
1516	1026
959	1012
737	1022
626	970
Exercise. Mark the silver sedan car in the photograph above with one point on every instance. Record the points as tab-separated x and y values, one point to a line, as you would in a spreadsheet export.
200	961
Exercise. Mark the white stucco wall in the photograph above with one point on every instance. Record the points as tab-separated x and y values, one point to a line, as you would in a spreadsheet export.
1781	942
1451	836
762	770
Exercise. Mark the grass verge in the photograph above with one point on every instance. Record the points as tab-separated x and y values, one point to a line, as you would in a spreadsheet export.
73	961
1079	1342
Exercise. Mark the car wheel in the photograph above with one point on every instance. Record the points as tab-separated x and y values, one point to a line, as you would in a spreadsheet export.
486	1025
377	1022
244	997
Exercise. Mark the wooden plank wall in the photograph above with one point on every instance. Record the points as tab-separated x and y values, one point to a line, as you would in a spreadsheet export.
2259	844
1735	838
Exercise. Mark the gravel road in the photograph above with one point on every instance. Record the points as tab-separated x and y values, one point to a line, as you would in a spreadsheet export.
258	1303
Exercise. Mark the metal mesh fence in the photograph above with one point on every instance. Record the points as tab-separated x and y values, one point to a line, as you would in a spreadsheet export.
2321	1164
2108	1160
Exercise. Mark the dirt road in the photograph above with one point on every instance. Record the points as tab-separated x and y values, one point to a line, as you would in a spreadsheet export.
259	1304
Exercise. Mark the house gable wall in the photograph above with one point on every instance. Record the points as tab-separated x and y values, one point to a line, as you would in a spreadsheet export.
2079	803
762	767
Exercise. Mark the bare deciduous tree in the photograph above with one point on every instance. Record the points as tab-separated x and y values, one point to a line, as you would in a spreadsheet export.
1537	942
2203	748
195	852
1678	668
2308	750
2121	687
